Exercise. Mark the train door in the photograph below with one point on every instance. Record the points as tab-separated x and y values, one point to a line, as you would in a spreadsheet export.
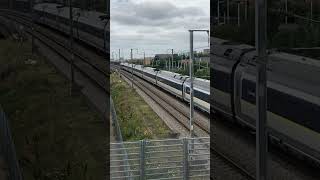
142	72
184	88
245	94
156	79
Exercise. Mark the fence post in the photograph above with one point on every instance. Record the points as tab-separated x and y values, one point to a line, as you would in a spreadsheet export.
142	159
185	159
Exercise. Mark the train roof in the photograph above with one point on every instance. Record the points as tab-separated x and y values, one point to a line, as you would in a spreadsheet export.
150	69
215	40
91	18
289	70
172	76
297	71
200	84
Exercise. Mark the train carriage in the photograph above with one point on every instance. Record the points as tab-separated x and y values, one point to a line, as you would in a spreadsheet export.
150	74
176	84
89	26
293	94
167	81
225	58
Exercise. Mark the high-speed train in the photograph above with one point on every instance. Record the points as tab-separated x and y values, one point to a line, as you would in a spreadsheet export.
90	27
174	83
293	93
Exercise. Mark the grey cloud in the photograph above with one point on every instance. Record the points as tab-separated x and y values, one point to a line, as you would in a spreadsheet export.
152	13
156	25
156	10
137	21
164	10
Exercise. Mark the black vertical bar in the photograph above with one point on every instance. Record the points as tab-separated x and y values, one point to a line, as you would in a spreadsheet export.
71	46
261	96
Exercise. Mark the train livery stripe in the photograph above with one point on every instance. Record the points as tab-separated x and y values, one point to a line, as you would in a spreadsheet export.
170	83
201	104
298	133
171	89
203	96
290	107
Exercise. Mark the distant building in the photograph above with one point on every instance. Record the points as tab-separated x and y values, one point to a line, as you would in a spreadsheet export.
148	60
164	56
203	59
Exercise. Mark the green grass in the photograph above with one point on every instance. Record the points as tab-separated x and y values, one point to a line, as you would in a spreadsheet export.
56	136
137	120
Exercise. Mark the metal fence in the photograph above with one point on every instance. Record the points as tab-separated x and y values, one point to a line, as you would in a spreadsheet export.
8	149
187	158
115	124
119	145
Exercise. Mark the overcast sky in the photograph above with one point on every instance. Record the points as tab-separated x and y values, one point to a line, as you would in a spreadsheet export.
157	25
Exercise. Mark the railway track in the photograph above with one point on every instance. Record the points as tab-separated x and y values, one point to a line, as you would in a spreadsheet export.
229	166
96	74
170	107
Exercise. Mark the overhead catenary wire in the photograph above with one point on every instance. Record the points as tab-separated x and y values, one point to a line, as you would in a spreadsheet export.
147	52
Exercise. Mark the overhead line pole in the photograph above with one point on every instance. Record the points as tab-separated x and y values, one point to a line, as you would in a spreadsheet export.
228	12
172	58
246	10
191	84
191	59
71	47
32	27
169	68
218	11
286	11
131	69
261	88
144	57
238	13
311	10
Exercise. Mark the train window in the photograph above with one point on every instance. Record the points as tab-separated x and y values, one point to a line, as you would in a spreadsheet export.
170	83
248	91
286	105
227	52
219	79
201	95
